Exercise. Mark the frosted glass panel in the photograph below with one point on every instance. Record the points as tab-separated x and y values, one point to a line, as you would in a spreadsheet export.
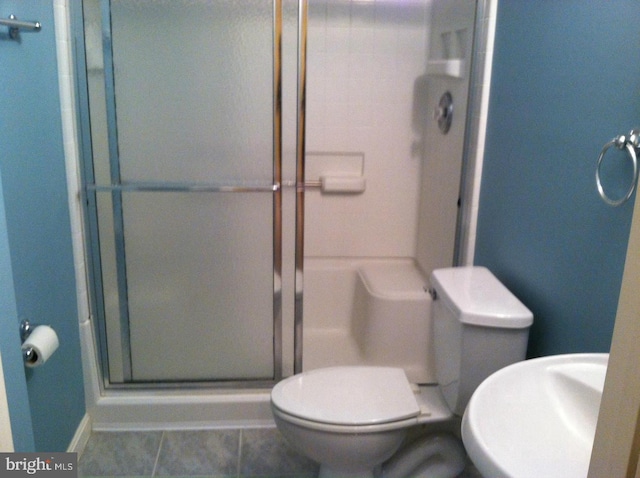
185	89
193	88
200	285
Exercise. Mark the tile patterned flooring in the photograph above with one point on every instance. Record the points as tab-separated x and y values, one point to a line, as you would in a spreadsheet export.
259	452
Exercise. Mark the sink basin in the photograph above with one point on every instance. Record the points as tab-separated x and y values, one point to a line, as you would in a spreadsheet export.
536	418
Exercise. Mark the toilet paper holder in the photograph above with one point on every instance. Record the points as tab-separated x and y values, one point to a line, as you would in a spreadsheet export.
26	327
39	342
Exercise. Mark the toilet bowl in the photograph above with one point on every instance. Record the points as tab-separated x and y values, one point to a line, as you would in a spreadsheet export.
352	419
346	418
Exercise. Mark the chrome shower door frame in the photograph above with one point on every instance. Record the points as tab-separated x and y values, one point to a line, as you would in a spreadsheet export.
116	188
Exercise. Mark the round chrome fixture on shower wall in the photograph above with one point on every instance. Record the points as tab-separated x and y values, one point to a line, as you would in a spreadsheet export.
443	113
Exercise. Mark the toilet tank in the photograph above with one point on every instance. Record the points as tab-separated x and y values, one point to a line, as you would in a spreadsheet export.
479	327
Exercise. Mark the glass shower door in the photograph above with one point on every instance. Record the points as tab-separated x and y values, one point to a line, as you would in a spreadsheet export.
183	187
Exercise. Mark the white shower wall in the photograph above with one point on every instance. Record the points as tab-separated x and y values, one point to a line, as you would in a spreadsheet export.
375	77
442	166
363	59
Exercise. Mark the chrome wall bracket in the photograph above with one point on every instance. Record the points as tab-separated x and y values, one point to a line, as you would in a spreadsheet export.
28	354
26	328
16	25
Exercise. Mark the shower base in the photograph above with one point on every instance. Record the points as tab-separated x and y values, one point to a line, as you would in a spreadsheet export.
119	410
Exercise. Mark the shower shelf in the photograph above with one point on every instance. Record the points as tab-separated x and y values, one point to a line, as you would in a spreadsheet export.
453	68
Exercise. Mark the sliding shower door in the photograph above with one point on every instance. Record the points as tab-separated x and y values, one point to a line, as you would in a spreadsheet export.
182	187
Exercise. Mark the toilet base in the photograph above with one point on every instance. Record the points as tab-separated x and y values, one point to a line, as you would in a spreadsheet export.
352	454
437	454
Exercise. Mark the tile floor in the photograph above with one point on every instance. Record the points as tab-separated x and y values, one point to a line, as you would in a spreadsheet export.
260	452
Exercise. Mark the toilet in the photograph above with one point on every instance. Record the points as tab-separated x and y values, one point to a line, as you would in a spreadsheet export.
353	419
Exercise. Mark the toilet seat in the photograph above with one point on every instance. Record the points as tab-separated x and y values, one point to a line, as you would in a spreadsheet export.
347	397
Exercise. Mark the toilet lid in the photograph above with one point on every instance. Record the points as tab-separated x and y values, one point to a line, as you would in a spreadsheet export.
347	395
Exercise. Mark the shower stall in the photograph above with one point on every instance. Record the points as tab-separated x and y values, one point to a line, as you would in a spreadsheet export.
242	160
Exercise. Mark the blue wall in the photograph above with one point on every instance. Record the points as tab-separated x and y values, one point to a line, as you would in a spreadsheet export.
37	220
563	85
13	369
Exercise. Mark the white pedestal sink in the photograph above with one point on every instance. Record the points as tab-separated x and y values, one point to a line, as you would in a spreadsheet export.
536	418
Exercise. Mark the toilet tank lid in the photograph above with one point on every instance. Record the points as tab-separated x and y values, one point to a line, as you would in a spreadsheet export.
477	297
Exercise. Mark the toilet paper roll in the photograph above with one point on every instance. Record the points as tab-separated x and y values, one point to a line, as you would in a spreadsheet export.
43	342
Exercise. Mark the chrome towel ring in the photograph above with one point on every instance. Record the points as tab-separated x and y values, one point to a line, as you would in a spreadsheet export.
631	142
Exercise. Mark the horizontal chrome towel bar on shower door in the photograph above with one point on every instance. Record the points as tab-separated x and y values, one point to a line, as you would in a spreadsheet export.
241	187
